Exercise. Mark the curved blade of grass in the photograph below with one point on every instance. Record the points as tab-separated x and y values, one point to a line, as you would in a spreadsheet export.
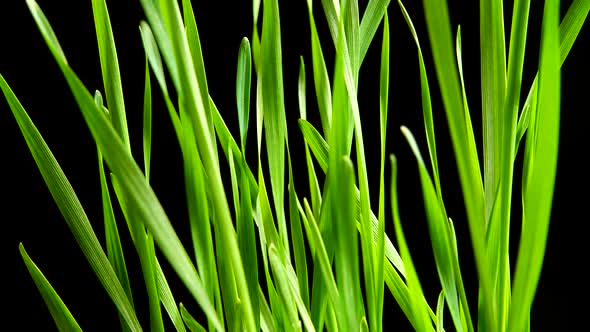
320	150
291	322
538	190
190	95
156	320
314	187
247	237
110	69
190	322
440	308
417	302
332	12
371	20
568	31
464	306
145	249
321	78
198	208
112	239
132	180
297	240
164	292
61	315
437	19
292	278
493	87
147	122
268	235
345	91
319	253
275	123
439	235
350	18
194	44
68	202
380	245
267	322
346	253
243	82
468	124
426	102
165	295
500	251
154	61
153	54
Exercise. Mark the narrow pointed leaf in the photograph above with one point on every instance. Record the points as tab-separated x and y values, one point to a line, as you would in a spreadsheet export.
65	198
61	315
110	69
538	190
190	322
243	89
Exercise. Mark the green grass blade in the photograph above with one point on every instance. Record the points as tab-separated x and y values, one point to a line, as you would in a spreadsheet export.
426	102
439	235
345	73
247	237
153	54
194	44
60	313
465	314
346	253
437	19
297	241
190	96
190	322
267	322
372	17
320	148
350	18
364	326
198	208
568	31
145	249
417	303
165	295
493	87
380	245
468	124
540	173
112	239
147	122
292	278
202	238
243	82
291	322
509	120
66	200
321	78
320	255
314	187
132	180
163	289
440	308
332	12
275	123
268	236
110	69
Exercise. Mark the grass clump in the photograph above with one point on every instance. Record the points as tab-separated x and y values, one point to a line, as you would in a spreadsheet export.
249	268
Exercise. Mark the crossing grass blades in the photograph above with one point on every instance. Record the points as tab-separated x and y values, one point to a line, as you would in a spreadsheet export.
221	267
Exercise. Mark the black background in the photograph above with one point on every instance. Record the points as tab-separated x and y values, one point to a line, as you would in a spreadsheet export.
29	215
